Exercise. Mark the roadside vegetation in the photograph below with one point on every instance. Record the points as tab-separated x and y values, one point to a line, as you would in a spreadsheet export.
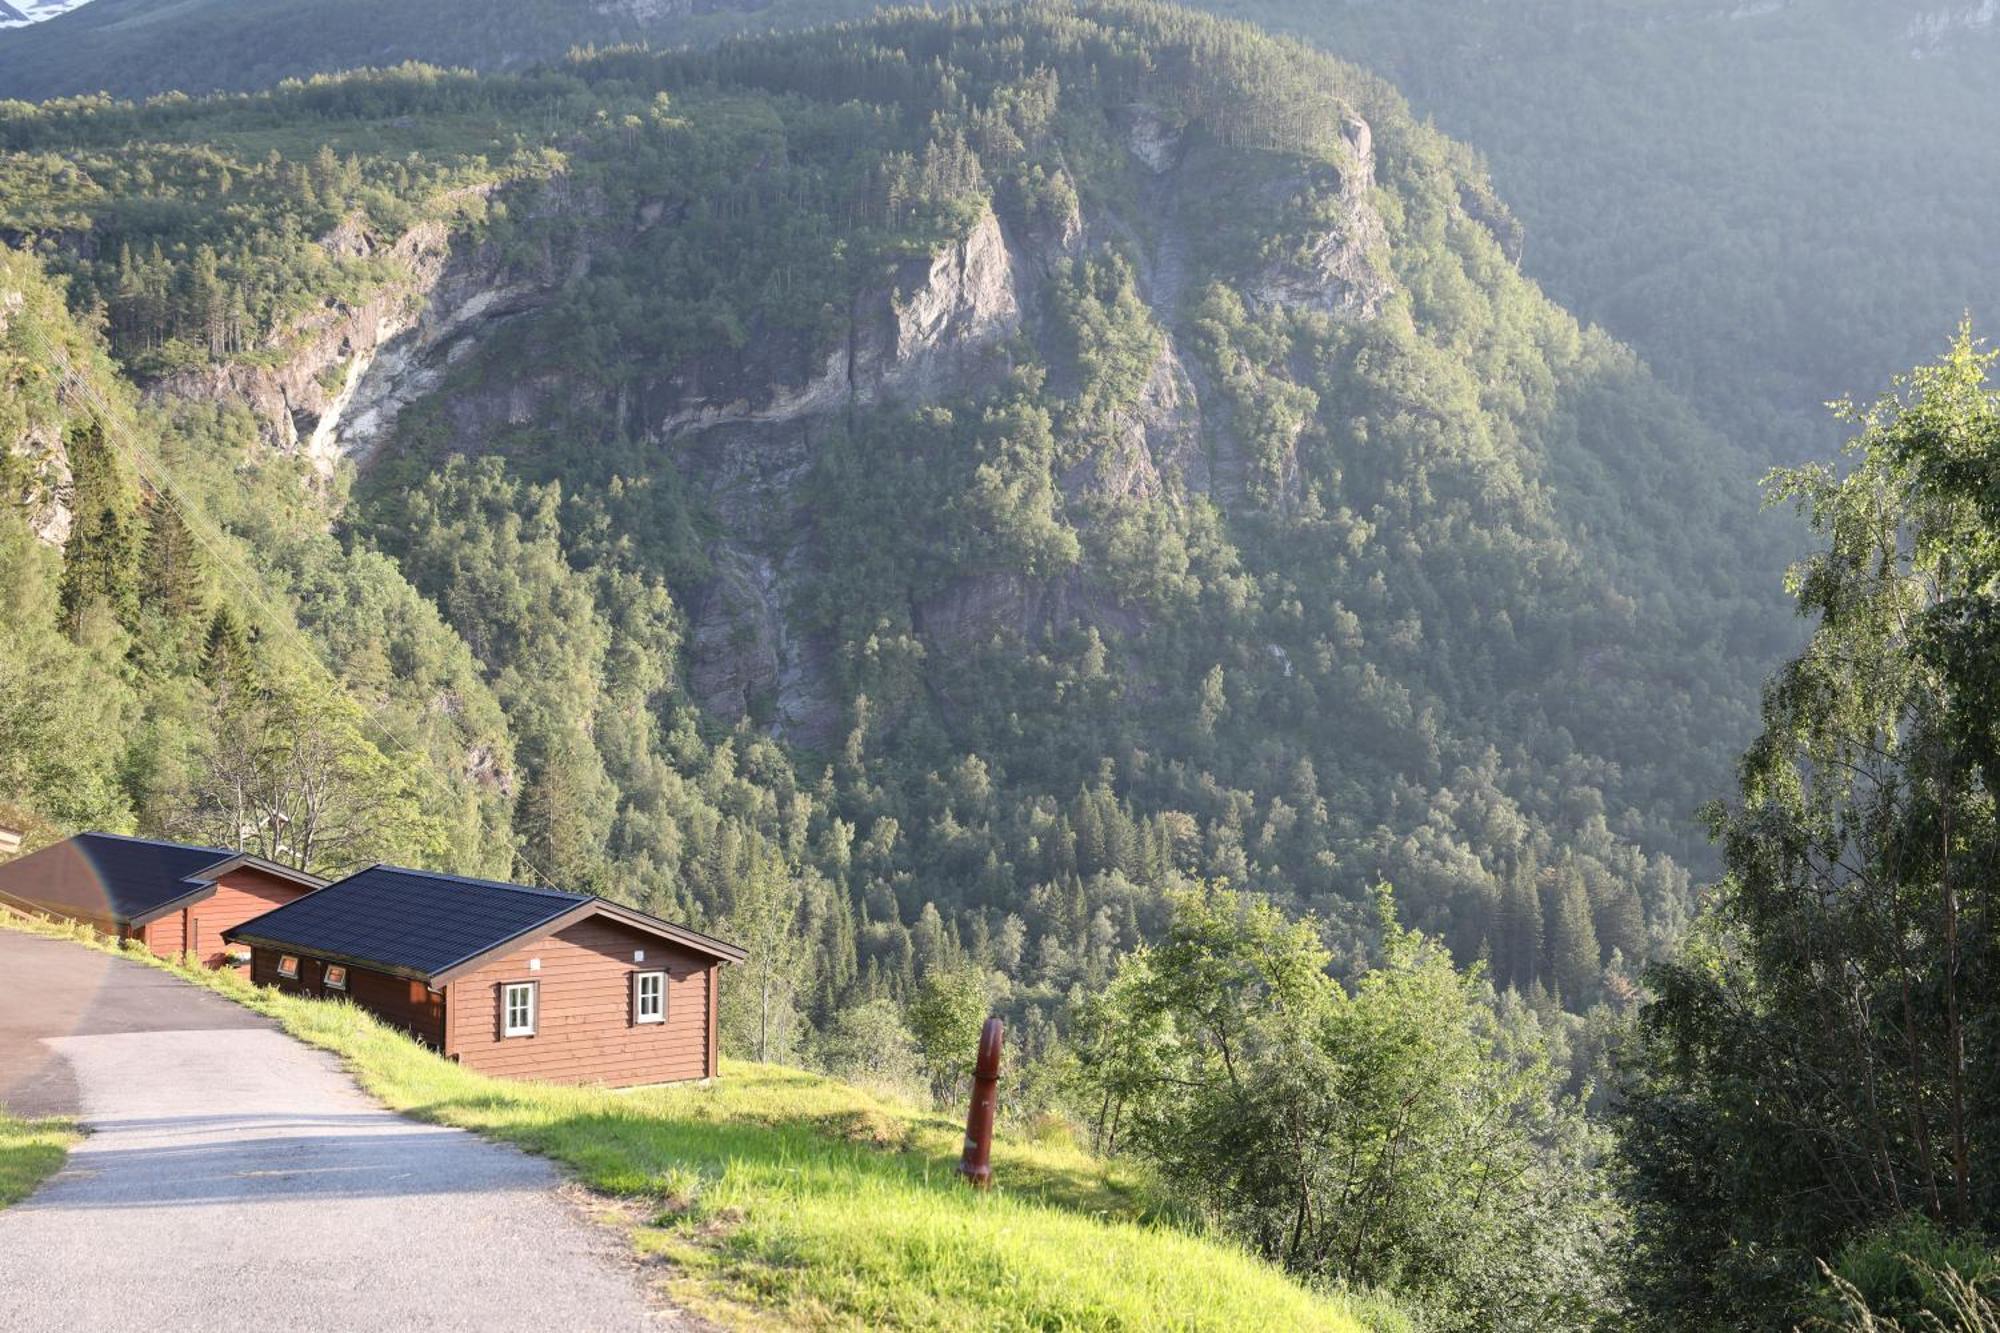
780	1193
30	1152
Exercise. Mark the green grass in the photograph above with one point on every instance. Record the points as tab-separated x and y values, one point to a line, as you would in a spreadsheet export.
778	1196
30	1152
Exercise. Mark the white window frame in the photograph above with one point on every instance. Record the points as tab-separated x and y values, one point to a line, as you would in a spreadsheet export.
285	972
327	974
639	980
507	1025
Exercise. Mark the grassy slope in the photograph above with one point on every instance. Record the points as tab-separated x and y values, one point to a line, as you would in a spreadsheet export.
30	1152
777	1193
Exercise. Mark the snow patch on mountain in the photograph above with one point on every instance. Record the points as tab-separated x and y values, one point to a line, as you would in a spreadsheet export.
20	13
1932	32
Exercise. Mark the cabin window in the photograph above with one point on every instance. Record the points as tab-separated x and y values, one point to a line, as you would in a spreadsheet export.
336	977
649	997
517	1009
288	966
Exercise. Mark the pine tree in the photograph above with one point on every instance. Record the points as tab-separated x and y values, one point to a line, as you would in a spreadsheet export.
1573	954
558	813
170	576
1518	950
1621	921
227	664
98	557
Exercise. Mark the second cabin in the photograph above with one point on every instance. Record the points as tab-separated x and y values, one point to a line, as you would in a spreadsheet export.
506	979
174	899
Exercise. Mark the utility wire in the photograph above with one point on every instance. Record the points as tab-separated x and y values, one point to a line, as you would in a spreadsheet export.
78	389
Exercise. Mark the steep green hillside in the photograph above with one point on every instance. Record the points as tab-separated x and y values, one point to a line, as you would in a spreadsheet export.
135	48
1751	195
1776	203
981	469
159	565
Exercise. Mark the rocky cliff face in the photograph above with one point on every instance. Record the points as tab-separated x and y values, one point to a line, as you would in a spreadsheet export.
748	439
743	424
300	400
748	436
935	324
1337	274
350	368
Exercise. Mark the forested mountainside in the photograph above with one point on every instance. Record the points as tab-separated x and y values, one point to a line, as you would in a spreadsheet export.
1743	193
159	561
1749	194
136	48
977	470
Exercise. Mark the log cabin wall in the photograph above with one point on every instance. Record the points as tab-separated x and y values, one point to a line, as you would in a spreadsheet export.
398	1001
240	895
585	1029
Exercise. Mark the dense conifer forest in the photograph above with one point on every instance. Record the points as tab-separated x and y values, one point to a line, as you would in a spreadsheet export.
1074	511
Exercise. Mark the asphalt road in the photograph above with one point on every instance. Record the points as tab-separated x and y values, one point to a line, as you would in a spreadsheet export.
233	1177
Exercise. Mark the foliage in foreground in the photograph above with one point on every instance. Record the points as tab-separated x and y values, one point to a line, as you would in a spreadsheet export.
778	1192
1912	1275
1814	1067
1397	1135
30	1152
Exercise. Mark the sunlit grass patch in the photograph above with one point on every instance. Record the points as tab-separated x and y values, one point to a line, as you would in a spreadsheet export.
774	1194
30	1152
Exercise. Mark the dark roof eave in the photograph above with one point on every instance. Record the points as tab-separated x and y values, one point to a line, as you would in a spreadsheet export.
693	939
239	936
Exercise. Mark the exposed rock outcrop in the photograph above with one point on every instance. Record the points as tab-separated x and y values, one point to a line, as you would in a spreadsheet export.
46	495
1152	140
936	324
947	314
745	660
349	369
467	301
1158	442
747	436
45	491
1336	273
298	399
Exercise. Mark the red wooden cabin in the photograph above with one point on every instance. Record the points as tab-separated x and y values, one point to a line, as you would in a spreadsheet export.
170	896
510	980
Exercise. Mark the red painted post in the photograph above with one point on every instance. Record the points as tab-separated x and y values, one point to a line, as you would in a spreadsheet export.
977	1163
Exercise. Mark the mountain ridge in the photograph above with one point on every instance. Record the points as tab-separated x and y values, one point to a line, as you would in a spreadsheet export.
1719	262
1276	530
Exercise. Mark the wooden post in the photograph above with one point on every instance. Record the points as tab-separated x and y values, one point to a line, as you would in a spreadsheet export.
977	1163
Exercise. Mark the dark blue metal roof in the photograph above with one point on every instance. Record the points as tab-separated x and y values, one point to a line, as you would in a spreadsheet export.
416	922
107	875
